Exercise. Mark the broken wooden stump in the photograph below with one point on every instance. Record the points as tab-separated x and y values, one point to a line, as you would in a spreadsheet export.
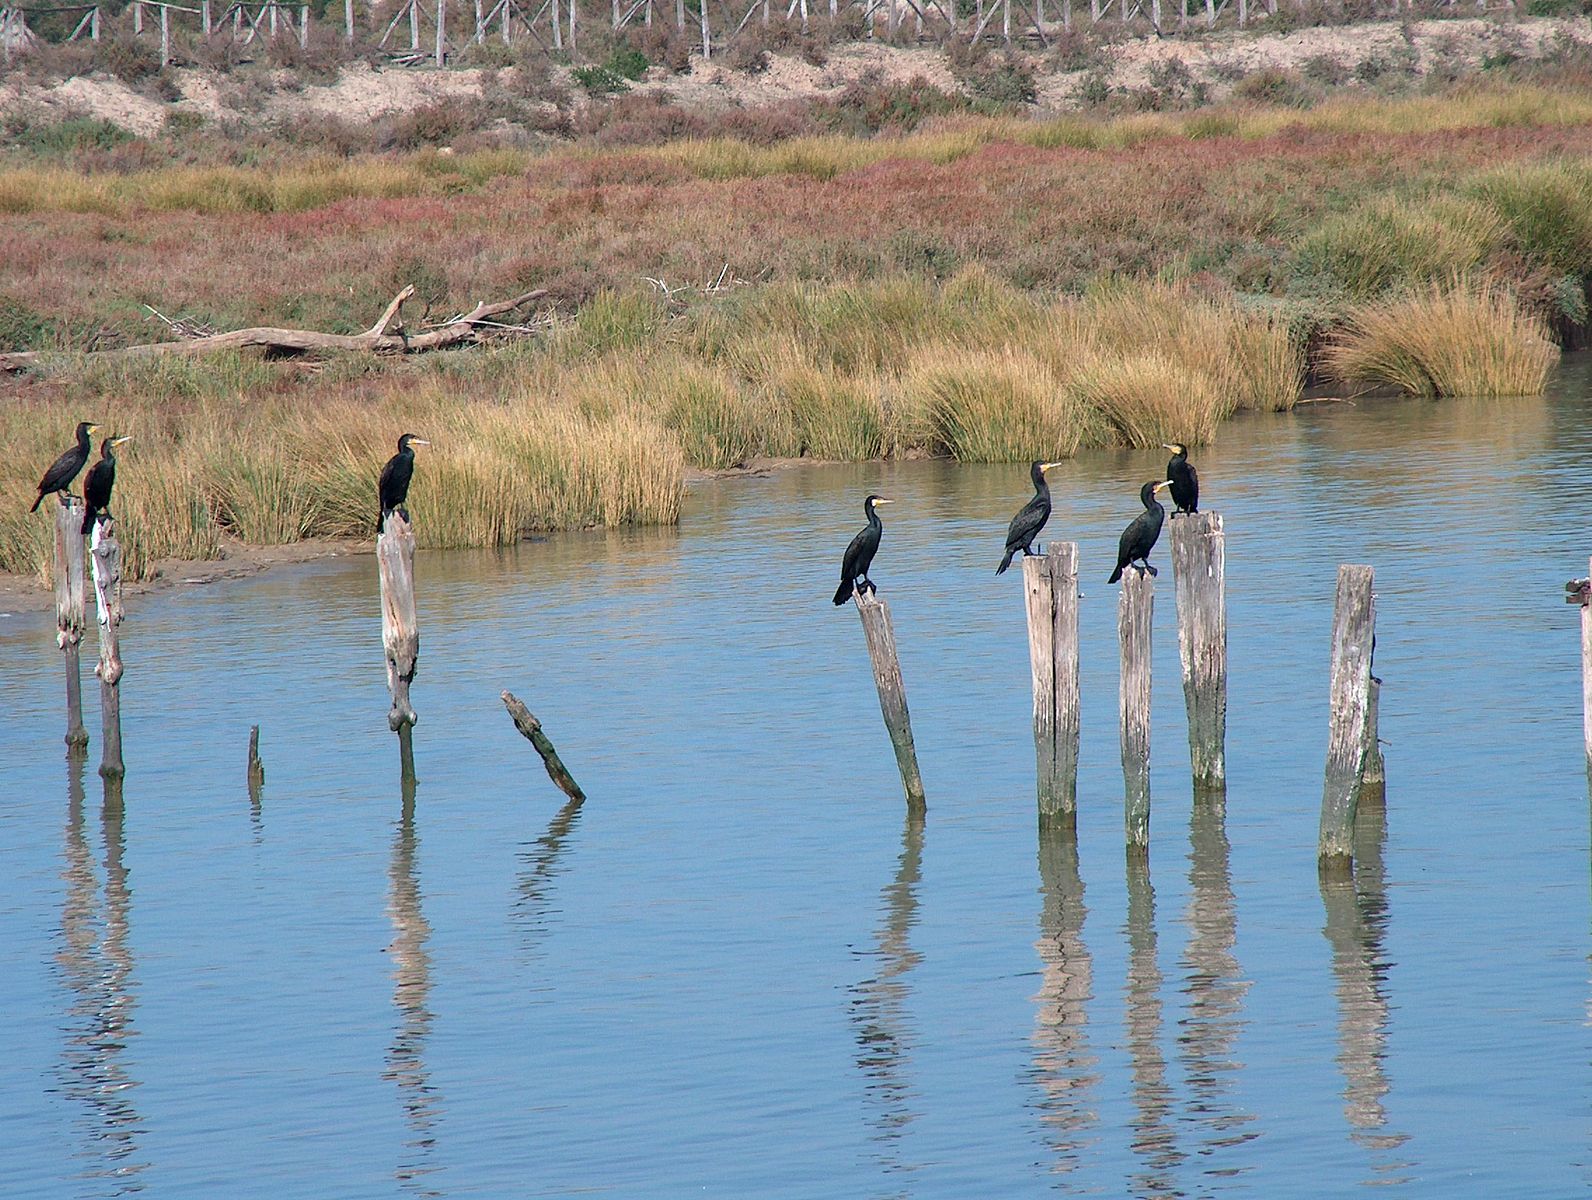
400	630
1199	567
70	603
256	767
105	553
880	635
526	722
1353	639
1135	610
1050	586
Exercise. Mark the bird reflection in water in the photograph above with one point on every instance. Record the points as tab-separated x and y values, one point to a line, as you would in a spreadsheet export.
1356	928
1154	1140
1213	986
411	972
1064	1065
878	1005
96	964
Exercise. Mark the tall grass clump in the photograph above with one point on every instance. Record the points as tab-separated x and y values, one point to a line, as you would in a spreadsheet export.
1393	242
1462	340
715	422
1148	397
1002	405
1548	210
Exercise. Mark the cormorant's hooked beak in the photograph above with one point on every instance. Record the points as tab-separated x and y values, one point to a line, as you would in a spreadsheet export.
1173	447
117	441
1046	466
1165	483
882	500
418	442
93	428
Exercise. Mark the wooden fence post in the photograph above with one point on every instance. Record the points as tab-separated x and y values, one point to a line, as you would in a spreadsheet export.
1199	557
1135	611
880	635
69	611
1353	637
1050	584
106	553
400	632
348	21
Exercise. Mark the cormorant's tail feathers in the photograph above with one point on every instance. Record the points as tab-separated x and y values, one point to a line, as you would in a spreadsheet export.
37	502
843	592
88	520
1005	562
1115	575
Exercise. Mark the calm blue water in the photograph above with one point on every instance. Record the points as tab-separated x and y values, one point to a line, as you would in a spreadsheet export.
737	970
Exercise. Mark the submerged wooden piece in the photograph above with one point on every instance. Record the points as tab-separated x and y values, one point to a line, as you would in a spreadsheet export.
70	606
1135	612
525	721
106	556
1050	586
880	635
1353	638
1199	565
400	630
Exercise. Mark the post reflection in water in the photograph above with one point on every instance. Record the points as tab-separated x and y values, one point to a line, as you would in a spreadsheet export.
411	972
96	965
878	1006
540	860
1064	1065
1356	928
1154	1140
1213	984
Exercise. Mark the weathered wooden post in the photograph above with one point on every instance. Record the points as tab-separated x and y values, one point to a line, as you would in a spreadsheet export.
1373	778
400	632
256	767
1353	636
1050	585
1135	610
525	721
1199	564
348	21
880	635
69	609
106	553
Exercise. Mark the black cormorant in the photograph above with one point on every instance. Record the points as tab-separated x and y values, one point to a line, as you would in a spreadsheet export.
395	476
1030	519
859	554
1139	538
1184	479
64	469
99	481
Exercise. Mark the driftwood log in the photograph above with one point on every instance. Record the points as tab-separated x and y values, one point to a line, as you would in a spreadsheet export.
386	336
525	721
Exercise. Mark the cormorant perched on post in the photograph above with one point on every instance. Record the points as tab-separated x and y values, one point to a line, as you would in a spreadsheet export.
101	477
1184	479
64	469
859	554
1139	538
395	476
1031	518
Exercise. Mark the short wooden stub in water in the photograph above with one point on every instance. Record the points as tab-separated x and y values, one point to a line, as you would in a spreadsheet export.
256	767
1135	612
526	722
1050	586
1199	564
70	603
880	635
106	556
1353	637
400	631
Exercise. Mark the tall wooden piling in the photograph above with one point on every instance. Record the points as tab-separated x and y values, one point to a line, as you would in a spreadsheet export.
106	554
876	627
70	604
400	631
1353	636
1135	610
1050	585
1199	564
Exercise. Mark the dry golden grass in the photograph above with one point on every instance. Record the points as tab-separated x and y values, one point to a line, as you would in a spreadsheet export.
1459	340
1149	397
1003	405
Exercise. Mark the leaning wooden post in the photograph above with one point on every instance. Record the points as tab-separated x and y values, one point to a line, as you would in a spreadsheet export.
1353	636
106	553
1050	585
876	627
1135	610
400	633
69	608
525	721
1199	557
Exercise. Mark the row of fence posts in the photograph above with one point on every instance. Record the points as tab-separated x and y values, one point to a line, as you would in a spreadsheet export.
1050	582
104	558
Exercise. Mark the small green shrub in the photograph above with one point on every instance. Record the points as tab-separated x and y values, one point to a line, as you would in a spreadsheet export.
599	81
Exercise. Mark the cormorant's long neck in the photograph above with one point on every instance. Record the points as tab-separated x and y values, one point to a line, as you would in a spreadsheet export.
873	516
82	440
